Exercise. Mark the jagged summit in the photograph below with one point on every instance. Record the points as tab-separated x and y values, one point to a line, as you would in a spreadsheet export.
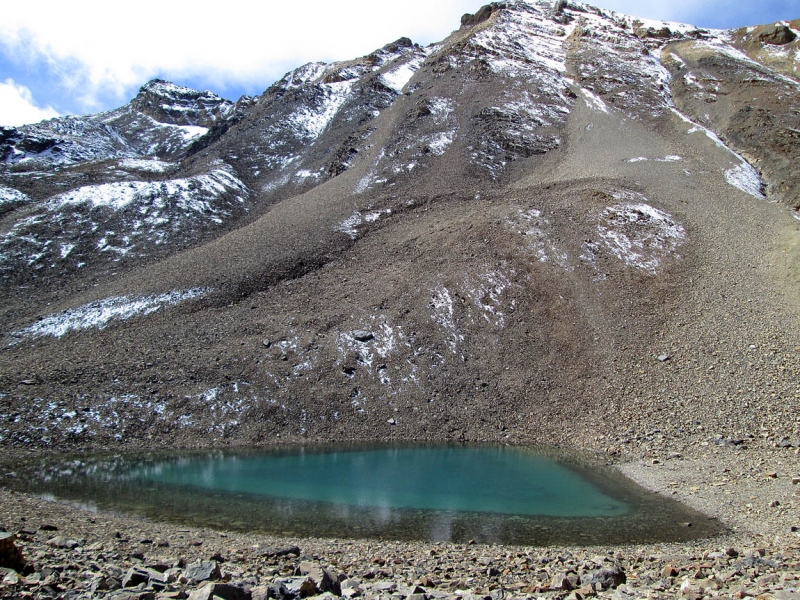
177	105
487	238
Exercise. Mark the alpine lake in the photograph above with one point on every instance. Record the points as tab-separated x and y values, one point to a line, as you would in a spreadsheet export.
457	493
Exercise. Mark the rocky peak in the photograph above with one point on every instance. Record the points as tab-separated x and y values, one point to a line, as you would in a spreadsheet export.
177	105
470	20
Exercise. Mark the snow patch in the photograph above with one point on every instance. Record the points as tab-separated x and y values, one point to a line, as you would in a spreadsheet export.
533	225
11	196
486	292
746	178
442	313
399	77
99	314
148	166
310	122
351	224
638	234
118	195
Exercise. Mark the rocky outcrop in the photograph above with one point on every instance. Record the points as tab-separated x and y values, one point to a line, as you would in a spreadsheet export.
777	35
470	20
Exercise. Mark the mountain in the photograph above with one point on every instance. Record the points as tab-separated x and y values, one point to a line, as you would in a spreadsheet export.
558	225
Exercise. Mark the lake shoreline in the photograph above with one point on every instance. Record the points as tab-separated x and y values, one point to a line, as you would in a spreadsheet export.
759	554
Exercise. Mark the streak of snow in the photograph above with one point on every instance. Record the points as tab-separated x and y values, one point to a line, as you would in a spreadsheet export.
149	166
118	195
99	314
594	101
666	159
351	224
742	175
443	314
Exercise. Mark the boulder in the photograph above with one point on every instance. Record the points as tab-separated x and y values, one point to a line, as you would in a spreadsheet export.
201	570
609	578
649	32
135	576
10	556
225	591
470	20
777	35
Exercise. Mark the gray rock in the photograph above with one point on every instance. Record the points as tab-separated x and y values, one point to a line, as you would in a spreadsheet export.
361	335
609	578
565	581
225	591
134	577
201	571
324	579
62	542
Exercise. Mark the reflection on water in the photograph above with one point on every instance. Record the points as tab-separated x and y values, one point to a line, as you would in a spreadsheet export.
445	493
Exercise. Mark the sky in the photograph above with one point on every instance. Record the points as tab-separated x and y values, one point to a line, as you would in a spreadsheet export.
86	56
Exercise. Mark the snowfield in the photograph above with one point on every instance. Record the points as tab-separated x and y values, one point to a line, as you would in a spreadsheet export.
119	218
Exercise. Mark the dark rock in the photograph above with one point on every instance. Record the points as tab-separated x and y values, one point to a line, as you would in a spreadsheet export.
10	556
279	591
363	336
470	20
777	35
648	32
134	577
281	551
47	527
670	571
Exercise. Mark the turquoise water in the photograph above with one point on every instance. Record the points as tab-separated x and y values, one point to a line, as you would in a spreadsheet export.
442	493
490	480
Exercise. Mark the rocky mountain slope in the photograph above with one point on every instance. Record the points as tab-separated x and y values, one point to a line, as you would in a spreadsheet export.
558	225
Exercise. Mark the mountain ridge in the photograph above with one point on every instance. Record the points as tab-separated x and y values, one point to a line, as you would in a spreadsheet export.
510	217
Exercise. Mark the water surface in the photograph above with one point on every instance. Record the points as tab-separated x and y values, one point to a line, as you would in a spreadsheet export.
441	493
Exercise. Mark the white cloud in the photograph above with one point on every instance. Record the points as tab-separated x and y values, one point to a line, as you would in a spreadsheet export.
94	54
17	106
98	48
